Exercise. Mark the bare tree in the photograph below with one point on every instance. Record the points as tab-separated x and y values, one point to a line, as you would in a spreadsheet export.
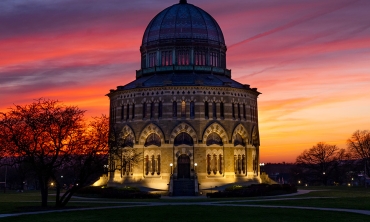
359	147
122	154
50	136
321	160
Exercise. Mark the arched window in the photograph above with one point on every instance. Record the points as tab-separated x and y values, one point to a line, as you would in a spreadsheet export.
160	109
144	110
128	141
214	138
183	109
192	109
238	140
152	106
183	138
206	111
153	139
174	109
214	110
222	115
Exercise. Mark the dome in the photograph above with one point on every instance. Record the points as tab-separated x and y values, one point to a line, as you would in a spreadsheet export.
183	39
183	21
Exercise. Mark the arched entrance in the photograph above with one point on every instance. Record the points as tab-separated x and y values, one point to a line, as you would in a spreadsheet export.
183	166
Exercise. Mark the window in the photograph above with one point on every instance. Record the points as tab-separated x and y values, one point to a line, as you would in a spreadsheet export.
152	59
144	110
174	109
244	112
183	57
214	110
233	109
127	111
200	57
222	115
160	109
214	60
143	62
166	58
153	139
183	109
239	111
122	112
133	111
152	106
192	109
152	164
206	111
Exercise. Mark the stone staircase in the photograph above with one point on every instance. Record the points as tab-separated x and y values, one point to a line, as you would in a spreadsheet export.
183	187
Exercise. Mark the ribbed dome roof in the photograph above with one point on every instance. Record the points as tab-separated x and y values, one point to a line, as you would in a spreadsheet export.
183	21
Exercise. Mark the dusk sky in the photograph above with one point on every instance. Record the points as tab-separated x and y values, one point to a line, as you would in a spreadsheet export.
309	58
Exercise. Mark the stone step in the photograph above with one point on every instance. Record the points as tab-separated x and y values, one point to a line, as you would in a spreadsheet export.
183	188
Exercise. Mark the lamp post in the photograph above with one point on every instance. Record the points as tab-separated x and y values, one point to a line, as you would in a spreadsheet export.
171	167
195	168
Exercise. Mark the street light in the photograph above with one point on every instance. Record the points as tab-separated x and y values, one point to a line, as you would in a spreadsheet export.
195	168
171	167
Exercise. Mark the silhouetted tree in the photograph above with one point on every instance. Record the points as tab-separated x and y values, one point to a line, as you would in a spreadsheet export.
50	136
320	161
359	147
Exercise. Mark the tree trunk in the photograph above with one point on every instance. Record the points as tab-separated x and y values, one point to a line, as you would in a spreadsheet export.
44	194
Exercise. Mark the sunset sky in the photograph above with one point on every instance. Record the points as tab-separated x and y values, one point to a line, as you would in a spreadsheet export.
309	58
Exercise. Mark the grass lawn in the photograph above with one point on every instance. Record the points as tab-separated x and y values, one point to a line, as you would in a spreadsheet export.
341	197
193	213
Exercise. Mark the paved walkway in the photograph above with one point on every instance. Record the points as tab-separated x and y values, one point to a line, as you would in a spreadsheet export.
217	203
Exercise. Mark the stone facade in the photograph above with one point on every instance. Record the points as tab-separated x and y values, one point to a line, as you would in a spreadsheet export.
186	120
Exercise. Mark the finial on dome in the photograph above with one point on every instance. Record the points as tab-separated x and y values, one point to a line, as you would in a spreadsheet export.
183	2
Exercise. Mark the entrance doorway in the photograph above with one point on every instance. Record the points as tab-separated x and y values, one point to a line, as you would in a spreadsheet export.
183	166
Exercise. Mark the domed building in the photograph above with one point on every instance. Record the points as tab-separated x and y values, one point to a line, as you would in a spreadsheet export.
185	125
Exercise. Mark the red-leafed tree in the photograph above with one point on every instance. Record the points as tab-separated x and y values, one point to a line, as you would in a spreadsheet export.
50	136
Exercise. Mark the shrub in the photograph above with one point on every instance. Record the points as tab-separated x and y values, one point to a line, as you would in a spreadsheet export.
119	193
254	190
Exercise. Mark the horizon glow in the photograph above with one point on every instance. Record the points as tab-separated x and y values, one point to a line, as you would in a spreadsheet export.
309	58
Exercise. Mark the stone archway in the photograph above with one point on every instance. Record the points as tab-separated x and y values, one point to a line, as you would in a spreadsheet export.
183	166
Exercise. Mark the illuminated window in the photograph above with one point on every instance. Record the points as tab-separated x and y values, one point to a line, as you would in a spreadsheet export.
152	59
183	57
166	58
183	109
